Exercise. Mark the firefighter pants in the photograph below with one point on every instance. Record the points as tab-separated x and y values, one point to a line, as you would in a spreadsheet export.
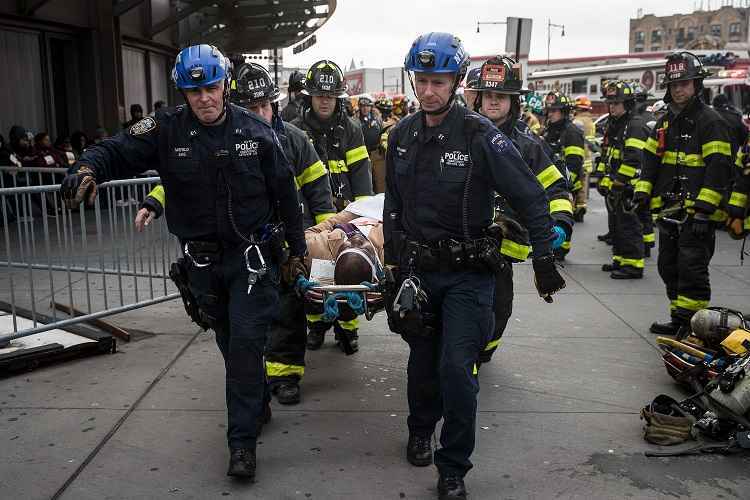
683	266
285	353
442	369
582	195
649	237
503	311
627	239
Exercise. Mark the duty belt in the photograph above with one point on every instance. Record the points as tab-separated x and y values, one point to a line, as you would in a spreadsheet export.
480	254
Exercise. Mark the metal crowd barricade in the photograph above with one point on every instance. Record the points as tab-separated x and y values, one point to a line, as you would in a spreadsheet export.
90	262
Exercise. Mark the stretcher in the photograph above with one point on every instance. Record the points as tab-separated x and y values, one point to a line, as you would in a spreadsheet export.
369	294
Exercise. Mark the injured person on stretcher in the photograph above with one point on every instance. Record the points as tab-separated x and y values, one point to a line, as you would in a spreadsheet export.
345	250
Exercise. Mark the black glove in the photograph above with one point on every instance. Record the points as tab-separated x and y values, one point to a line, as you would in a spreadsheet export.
292	269
701	225
641	199
617	186
546	277
153	205
79	186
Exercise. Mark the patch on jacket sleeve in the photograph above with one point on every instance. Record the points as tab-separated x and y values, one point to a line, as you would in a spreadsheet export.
144	126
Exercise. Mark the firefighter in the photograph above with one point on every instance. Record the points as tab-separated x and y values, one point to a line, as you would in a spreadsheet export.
445	164
340	145
686	171
625	138
385	107
585	122
738	222
472	79
566	142
498	89
296	98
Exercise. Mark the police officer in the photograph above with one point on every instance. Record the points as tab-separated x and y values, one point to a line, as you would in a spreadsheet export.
226	178
444	166
340	145
686	171
625	139
498	89
293	109
566	141
254	90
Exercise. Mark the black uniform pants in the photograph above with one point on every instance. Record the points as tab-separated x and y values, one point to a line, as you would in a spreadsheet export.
442	370
649	237
285	355
683	266
627	241
242	322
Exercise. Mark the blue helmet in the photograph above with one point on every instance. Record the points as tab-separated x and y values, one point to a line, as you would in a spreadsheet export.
437	53
200	66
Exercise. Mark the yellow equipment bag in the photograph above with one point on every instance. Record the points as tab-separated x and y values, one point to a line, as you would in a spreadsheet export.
736	342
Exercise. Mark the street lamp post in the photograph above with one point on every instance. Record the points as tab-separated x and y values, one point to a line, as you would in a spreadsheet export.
492	22
551	25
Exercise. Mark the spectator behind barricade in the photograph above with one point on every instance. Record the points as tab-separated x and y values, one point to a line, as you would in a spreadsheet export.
45	156
733	117
79	141
158	105
64	146
22	154
4	153
136	113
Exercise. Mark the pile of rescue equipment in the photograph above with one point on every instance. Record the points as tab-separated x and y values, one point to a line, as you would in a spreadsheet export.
711	359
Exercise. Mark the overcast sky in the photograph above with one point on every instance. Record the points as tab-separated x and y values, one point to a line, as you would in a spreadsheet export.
380	32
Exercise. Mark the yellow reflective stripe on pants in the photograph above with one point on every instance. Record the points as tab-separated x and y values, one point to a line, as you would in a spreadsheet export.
311	173
649	238
158	194
548	176
635	143
690	304
709	196
672	305
356	154
720	147
637	263
573	150
626	170
514	250
606	182
738	199
644	187
314	318
274	369
493	344
616	258
560	205
337	166
323	217
349	325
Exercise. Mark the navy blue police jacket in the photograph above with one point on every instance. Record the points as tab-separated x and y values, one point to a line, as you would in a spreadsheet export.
427	182
211	175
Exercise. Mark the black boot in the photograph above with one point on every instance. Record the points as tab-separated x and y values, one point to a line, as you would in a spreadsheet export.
242	464
604	237
608	268
647	251
347	340
288	393
627	273
315	338
670	327
419	450
451	488
579	213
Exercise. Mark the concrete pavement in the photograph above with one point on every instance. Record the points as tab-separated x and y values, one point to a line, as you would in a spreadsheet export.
558	413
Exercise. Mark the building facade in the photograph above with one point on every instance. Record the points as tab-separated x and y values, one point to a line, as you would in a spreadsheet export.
725	28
